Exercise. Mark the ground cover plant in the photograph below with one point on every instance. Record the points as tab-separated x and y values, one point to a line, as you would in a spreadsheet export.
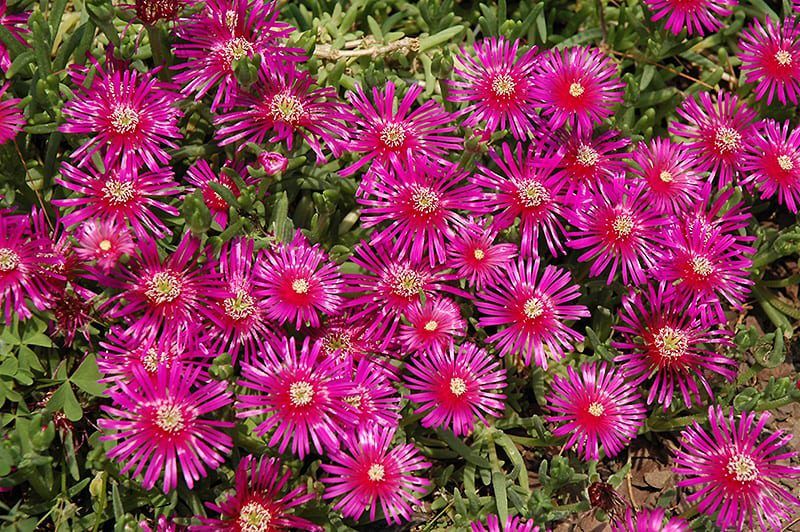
392	265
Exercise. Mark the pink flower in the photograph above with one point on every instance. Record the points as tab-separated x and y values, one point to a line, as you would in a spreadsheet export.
455	386
476	257
716	133
662	338
576	85
131	117
15	24
532	308
201	176
371	473
345	340
772	163
159	425
512	524
224	32
258	500
299	283
586	160
300	394
525	187
126	198
373	399
104	242
11	117
281	104
771	58
648	520
390	137
272	162
696	16
672	184
616	229
420	203
432	326
497	84
596	407
735	471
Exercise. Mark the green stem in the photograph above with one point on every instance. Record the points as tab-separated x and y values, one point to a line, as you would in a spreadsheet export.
159	51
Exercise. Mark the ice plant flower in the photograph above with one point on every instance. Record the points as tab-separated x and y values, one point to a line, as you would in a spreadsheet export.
15	24
524	187
455	386
595	407
11	118
299	392
126	198
299	283
716	133
660	337
281	104
345	340
158	423
372	399
648	520
669	172
695	16
497	86
475	255
531	307
272	162
576	85
420	205
772	163
432	326
771	58
735	470
158	295
615	229
512	524
201	175
130	117
369	472
259	502
587	160
224	32
151	11
389	133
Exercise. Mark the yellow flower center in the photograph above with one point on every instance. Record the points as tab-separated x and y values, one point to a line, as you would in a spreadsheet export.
587	156
236	49
785	162
118	192
104	244
9	260
479	254
702	266
301	393
124	119
665	176
300	286
576	90
169	418
457	386
596	409
406	283
431	326
425	200
727	140
376	472
393	135
287	108
533	308
742	467
163	287
783	57
503	85
240	307
254	517
532	193
671	343
623	225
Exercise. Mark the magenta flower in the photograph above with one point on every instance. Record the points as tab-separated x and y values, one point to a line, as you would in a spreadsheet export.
389	286
224	32
497	84
512	524
717	212
706	268
345	340
432	326
158	295
238	318
300	393
663	339
696	16
390	137
159	425
373	399
716	133
201	176
420	203
672	183
771	58
371	473
576	85
128	116
455	386
299	283
588	161
258	501
648	520
735	470
476	257
103	242
596	407
272	162
772	163
126	198
617	229
15	24
525	187
532	308
281	104
27	264
11	117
